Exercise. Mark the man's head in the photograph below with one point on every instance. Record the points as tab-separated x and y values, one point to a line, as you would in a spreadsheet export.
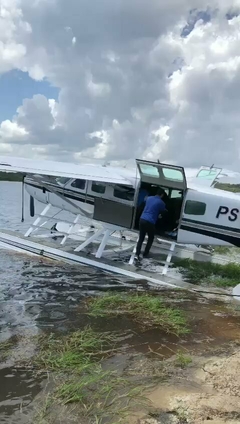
160	192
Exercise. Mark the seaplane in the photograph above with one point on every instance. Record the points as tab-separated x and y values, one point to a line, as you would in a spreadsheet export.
104	204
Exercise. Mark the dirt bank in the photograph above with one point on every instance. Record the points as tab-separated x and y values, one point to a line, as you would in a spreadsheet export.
207	391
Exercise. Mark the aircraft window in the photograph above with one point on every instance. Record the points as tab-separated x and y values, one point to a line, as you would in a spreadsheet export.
80	184
175	194
124	192
149	170
172	174
98	188
193	207
208	174
62	180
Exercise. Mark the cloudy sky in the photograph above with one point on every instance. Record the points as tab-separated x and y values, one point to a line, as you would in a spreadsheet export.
120	79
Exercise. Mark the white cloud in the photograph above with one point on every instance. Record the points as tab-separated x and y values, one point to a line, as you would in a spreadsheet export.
12	131
36	72
12	28
206	127
160	138
97	89
130	84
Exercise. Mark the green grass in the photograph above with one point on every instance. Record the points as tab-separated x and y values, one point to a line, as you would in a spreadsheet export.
10	176
222	250
7	347
144	308
75	360
209	273
182	360
234	188
76	351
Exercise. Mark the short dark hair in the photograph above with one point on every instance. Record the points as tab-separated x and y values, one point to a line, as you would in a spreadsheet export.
160	192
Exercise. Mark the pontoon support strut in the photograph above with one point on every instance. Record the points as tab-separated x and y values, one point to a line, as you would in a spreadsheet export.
38	220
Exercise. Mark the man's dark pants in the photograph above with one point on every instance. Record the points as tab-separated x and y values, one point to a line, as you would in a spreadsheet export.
145	227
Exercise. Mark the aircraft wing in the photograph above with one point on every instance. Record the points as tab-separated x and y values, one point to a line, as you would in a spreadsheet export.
62	169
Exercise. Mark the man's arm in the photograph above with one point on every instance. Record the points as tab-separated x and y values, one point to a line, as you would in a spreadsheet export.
162	211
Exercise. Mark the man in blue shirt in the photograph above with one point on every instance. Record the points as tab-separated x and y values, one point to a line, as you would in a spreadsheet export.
154	206
143	193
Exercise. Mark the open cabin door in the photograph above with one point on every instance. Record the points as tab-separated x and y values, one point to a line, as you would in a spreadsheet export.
161	174
206	176
113	213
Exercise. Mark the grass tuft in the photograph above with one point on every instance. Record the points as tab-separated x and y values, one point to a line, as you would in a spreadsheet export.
75	351
209	273
76	361
7	347
222	250
145	308
182	360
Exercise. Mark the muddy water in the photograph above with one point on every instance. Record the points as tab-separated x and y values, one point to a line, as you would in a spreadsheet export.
43	296
40	295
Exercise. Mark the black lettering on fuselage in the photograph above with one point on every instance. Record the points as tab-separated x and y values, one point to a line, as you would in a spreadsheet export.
232	213
223	210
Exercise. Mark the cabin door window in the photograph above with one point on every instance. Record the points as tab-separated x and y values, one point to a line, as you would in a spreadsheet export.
162	175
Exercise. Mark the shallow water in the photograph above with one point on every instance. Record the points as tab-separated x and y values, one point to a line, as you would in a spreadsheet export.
18	388
37	294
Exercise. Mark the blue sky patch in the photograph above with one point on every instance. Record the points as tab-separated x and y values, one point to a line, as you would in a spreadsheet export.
194	16
16	86
232	14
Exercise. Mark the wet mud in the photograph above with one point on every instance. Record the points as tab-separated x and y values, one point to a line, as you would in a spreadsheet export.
193	378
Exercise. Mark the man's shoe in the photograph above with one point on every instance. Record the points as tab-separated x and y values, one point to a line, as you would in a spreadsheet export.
137	258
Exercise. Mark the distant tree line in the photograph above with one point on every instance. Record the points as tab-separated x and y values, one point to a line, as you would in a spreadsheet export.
234	188
10	176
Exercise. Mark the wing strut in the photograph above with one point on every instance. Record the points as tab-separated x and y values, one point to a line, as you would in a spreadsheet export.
22	220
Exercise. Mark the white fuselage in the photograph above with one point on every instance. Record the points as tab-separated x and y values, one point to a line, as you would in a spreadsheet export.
208	216
111	195
71	196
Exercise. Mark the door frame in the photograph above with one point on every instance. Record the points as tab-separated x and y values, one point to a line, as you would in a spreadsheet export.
161	179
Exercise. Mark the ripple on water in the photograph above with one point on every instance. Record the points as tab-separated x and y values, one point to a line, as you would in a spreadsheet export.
33	293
